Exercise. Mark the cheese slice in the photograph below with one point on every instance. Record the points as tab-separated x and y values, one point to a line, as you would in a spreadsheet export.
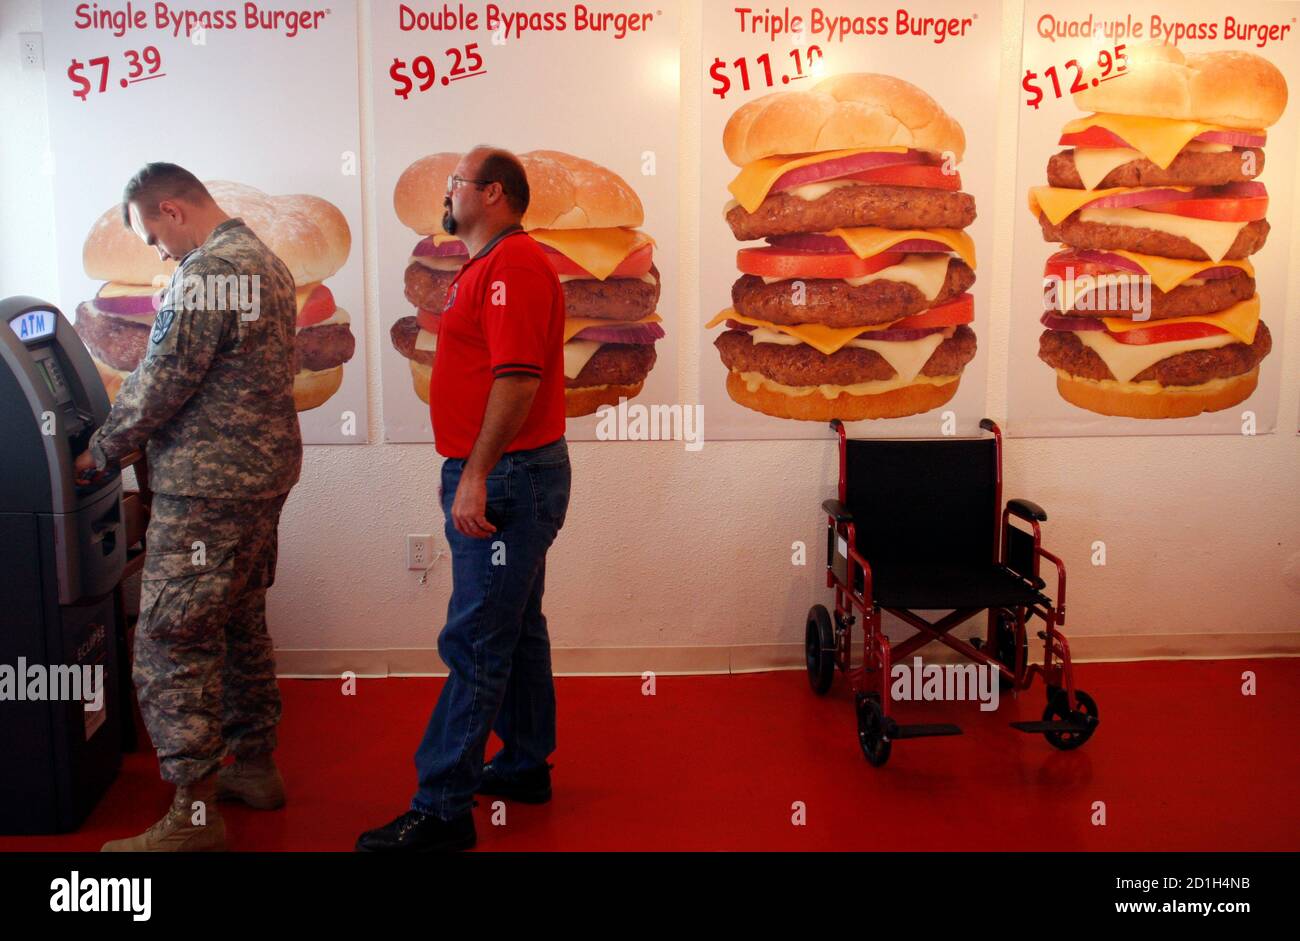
576	355
906	357
756	380
820	337
1241	320
575	325
1169	273
1093	163
1126	360
1057	202
927	273
1210	236
867	240
122	289
442	238
598	251
426	341
1160	139
438	263
755	180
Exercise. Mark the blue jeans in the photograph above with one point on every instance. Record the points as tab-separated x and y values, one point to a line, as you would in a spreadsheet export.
495	643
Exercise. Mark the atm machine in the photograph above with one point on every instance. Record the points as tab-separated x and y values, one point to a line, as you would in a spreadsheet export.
62	549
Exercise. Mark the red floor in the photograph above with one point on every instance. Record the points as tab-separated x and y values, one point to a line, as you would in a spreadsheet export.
1182	761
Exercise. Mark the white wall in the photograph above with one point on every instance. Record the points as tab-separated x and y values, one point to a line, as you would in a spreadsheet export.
668	548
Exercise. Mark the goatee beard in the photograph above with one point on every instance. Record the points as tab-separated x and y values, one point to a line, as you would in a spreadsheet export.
449	222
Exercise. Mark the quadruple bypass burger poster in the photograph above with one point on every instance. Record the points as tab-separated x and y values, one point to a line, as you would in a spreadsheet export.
850	240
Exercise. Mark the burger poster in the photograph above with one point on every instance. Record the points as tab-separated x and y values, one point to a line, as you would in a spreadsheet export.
587	95
1157	149
846	212
260	102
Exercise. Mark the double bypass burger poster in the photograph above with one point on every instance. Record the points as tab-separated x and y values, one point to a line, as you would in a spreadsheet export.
849	184
260	102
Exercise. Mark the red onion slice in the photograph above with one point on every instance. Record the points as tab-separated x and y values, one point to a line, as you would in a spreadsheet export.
1235	138
426	247
900	333
843	166
1141	198
737	325
632	333
919	246
1073	324
129	304
829	244
1109	259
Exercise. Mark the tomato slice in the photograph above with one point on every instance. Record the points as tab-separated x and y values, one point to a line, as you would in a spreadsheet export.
797	263
428	320
319	306
1166	333
1067	266
957	311
1093	137
1250	209
929	176
633	266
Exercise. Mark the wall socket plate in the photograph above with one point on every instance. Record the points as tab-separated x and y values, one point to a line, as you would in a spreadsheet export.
31	51
419	551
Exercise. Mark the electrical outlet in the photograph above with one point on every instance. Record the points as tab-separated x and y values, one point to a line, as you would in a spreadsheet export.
30	50
419	551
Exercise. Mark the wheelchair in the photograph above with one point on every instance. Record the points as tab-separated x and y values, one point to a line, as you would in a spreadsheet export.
919	524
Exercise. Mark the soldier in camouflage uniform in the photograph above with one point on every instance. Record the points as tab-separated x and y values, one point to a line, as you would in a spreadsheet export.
213	401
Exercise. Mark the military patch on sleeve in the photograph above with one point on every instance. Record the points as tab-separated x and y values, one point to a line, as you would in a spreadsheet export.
162	328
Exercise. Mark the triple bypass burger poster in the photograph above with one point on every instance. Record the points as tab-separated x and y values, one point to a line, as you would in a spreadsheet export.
260	102
587	95
1157	157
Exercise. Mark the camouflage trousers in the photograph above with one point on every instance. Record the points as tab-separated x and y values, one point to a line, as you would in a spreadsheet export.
204	670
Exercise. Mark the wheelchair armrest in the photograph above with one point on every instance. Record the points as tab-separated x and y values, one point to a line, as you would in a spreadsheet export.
838	510
1026	510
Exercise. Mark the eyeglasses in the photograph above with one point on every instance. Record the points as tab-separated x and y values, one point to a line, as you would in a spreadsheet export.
454	181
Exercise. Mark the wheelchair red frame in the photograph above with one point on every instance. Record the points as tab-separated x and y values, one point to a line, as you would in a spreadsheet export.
1070	716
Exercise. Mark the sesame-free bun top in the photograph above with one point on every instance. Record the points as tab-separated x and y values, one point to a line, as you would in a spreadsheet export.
860	109
309	234
565	192
1235	89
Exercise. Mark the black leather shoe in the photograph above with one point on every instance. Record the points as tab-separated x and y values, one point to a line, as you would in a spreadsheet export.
527	787
414	832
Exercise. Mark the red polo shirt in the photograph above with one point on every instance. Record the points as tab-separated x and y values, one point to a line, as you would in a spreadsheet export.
504	316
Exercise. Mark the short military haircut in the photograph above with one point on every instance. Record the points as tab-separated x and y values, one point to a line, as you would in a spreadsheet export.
158	181
501	166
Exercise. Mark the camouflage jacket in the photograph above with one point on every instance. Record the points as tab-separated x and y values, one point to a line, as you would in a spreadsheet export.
213	396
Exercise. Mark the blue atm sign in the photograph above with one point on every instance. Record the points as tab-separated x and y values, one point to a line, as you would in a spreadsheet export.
35	325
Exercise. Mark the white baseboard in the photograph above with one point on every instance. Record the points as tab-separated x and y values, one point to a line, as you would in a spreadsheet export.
756	658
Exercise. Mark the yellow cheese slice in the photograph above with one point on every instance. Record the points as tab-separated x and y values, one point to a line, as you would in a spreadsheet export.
442	238
1210	236
868	240
1240	320
1057	202
820	337
1168	273
122	289
751	185
598	251
1160	139
575	325
756	380
1126	360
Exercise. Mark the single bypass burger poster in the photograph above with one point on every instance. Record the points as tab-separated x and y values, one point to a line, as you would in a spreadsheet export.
259	101
586	94
1157	149
846	211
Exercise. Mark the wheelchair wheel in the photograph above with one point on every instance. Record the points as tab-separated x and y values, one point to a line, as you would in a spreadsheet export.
1004	638
871	729
819	649
1057	711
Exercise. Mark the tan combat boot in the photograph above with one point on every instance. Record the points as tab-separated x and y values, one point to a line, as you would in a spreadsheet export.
176	832
255	781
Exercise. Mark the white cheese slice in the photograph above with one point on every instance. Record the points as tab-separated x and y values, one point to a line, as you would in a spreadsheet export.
576	355
339	316
426	341
1126	360
810	191
1093	163
1210	236
905	356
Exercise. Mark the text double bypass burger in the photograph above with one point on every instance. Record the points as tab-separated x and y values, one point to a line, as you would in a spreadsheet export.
585	217
1151	310
309	234
856	307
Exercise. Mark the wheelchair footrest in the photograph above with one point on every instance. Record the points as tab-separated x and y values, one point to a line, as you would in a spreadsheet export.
925	731
1068	725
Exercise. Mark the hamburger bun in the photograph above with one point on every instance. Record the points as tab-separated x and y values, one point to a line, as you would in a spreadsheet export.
565	192
585	400
897	403
1235	89
309	234
421	378
841	112
312	389
1114	399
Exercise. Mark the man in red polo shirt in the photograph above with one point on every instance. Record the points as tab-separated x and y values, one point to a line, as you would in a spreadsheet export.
497	403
